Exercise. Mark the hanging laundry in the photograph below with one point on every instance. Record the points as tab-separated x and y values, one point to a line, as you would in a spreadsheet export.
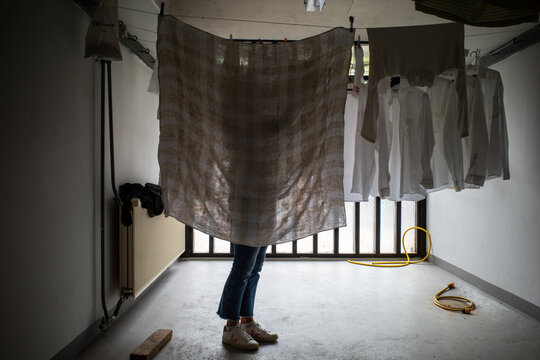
404	144
492	90
447	159
410	138
350	123
487	147
363	169
475	146
397	166
418	54
387	162
251	135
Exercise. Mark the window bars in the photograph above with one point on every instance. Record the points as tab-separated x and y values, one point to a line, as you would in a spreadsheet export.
374	231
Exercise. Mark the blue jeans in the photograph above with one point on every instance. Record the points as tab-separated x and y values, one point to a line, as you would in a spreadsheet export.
238	295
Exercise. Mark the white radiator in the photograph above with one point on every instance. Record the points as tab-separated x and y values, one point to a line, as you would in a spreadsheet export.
147	248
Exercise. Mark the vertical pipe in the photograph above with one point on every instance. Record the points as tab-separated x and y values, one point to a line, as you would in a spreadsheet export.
377	225
210	245
102	194
357	228
189	240
336	241
111	134
421	215
398	227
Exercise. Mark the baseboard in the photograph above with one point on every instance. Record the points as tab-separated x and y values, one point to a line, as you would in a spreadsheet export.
495	291
81	342
88	336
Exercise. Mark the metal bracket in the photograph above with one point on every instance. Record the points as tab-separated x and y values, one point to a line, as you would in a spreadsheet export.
518	43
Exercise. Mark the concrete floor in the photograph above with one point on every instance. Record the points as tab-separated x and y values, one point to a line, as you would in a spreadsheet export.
324	310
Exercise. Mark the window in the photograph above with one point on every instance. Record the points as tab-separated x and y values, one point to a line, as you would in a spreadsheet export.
374	229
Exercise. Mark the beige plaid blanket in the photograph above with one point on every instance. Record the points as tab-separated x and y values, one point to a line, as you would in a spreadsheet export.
251	142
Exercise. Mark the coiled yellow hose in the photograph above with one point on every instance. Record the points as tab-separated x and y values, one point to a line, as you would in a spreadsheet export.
399	263
469	305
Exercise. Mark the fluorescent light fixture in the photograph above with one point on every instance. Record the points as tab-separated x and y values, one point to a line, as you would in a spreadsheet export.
314	5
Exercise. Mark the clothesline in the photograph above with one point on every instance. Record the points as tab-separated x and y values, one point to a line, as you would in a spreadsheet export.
274	22
489	33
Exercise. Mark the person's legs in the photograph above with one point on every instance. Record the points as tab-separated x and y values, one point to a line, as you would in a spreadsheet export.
255	330
245	258
248	300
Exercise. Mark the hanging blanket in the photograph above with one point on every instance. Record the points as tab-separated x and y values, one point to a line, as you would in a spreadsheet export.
251	143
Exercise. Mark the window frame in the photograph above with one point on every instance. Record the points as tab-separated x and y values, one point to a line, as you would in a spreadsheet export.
420	240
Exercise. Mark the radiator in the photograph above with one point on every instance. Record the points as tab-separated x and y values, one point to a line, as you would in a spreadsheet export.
147	248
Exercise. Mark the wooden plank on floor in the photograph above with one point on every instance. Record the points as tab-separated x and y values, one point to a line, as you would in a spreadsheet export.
152	345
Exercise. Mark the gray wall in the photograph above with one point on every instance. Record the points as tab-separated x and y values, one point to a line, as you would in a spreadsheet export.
49	153
494	232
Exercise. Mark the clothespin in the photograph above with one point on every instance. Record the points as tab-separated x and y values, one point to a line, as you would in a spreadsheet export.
351	20
230	36
359	42
285	40
260	41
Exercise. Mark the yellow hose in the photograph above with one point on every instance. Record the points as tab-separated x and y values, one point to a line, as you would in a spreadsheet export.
399	263
469	305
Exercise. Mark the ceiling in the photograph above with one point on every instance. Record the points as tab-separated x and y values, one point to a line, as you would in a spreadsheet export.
277	19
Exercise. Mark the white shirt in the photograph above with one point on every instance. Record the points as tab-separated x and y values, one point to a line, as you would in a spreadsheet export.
492	89
351	157
447	159
406	112
475	146
364	166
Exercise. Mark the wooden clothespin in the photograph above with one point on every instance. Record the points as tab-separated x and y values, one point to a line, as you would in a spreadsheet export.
285	40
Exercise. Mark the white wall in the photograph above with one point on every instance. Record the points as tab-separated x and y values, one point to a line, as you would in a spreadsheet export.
136	127
136	139
49	149
494	232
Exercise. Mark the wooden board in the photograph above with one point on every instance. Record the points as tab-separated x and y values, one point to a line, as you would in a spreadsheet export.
152	345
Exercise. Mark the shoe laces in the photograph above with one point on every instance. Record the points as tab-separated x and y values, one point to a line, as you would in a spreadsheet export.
258	328
245	335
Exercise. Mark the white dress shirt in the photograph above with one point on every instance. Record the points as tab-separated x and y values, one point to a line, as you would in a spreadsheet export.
406	111
364	166
475	146
447	159
492	89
